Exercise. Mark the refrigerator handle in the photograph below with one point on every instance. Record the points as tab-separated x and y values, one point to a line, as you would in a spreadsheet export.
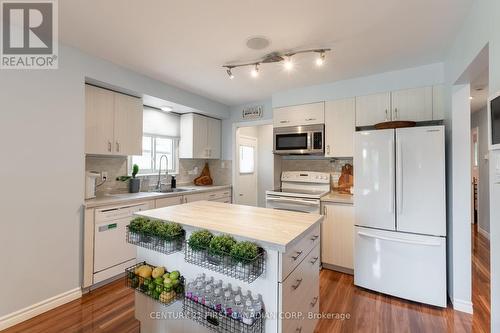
398	240
399	181
391	175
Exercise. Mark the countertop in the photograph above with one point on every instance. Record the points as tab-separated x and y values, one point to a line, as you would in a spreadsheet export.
271	228
336	197
113	199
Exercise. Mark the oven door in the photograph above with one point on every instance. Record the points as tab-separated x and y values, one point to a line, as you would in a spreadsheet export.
301	205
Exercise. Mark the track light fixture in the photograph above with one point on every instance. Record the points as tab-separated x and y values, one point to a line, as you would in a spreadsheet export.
286	58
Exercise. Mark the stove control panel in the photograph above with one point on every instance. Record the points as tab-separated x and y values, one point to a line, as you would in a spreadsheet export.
305	177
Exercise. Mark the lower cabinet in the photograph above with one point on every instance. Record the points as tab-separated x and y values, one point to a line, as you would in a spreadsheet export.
337	237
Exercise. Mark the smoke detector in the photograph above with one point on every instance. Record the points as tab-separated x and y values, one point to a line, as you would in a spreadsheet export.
258	43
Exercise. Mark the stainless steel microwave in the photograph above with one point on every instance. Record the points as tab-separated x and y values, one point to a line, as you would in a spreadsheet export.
299	140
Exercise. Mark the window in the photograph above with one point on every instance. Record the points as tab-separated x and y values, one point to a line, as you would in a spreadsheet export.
153	148
246	159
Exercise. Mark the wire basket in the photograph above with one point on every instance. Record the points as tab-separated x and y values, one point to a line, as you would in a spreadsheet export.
156	290
166	246
219	322
246	271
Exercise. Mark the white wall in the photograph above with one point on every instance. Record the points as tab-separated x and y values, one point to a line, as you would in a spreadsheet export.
480	120
42	146
482	27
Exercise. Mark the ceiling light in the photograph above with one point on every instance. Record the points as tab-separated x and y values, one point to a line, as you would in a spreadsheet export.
230	73
321	59
167	108
471	98
288	64
255	71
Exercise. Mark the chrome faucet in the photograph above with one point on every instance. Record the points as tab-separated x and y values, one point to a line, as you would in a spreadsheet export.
158	185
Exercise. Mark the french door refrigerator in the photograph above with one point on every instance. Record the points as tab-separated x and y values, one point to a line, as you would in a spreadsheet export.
400	213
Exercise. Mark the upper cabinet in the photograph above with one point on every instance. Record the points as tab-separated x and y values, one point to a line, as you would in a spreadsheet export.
412	104
373	109
298	115
339	128
113	123
200	137
418	104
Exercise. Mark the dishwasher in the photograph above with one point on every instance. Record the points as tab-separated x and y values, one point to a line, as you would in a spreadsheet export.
112	253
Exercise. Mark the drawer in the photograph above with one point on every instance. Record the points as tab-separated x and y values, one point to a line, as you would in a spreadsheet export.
225	200
219	194
170	201
300	294
298	251
196	197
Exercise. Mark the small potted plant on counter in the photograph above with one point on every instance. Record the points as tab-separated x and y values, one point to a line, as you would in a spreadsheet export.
220	246
199	241
244	254
134	184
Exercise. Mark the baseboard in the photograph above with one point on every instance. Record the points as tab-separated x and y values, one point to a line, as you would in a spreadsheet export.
338	268
483	232
462	306
39	308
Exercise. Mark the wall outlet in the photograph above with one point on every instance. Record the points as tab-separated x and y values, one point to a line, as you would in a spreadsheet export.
104	176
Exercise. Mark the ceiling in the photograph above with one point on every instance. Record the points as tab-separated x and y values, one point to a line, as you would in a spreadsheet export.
184	43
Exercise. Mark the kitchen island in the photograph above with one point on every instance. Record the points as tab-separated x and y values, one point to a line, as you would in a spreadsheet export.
289	284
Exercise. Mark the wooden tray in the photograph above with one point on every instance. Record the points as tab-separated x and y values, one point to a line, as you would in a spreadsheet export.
395	124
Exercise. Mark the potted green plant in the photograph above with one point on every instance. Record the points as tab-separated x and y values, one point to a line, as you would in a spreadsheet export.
244	254
139	227
220	246
169	235
199	241
134	184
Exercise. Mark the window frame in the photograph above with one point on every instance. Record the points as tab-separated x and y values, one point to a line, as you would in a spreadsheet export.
154	171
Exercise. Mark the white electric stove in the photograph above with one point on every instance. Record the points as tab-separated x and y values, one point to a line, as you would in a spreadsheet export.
300	191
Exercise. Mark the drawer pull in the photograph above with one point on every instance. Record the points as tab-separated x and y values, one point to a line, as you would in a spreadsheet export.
299	281
298	329
314	301
313	238
299	253
314	260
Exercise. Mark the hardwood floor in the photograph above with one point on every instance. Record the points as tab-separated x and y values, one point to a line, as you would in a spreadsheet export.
111	308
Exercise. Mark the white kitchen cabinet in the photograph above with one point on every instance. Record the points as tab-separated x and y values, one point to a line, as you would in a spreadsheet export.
99	120
340	127
337	236
169	201
299	115
438	99
412	104
113	122
200	137
373	109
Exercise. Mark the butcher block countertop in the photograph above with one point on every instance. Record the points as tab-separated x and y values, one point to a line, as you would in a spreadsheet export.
275	229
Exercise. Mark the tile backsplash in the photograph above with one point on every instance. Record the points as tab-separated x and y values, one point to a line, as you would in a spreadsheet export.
333	166
116	166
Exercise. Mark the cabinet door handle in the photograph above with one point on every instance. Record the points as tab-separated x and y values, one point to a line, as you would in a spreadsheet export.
396	113
313	238
117	146
109	146
284	121
324	210
328	149
185	200
314	260
386	115
310	119
295	286
314	301
299	253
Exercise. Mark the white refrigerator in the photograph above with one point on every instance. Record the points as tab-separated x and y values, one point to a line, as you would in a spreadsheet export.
400	213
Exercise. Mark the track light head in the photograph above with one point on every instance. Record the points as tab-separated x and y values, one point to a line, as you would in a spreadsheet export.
230	73
255	71
288	64
321	59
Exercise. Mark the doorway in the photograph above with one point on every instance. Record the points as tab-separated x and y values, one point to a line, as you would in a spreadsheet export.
250	187
247	172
